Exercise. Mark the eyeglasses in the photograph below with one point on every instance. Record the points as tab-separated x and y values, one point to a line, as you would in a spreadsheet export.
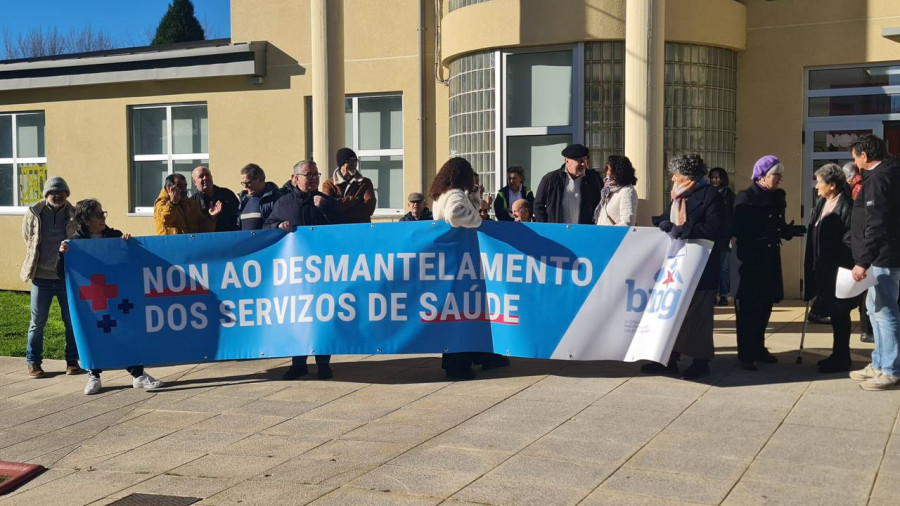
310	174
246	184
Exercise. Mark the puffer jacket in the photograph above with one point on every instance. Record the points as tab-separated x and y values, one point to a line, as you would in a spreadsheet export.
355	197
186	217
31	233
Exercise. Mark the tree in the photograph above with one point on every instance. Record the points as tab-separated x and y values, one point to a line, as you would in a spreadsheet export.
178	24
38	42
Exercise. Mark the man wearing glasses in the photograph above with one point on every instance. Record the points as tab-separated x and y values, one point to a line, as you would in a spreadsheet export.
354	193
305	206
175	213
257	199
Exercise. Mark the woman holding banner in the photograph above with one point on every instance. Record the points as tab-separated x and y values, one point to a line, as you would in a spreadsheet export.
827	248
90	223
697	212
759	228
457	200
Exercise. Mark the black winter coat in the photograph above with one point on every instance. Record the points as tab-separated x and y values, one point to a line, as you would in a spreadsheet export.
827	248
227	219
548	202
759	228
271	194
503	206
299	210
707	218
728	196
876	217
426	216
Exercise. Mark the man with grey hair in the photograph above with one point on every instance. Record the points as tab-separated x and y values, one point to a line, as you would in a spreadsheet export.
305	206
45	226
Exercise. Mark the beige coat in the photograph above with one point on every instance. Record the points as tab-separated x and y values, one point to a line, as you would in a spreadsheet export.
31	233
620	210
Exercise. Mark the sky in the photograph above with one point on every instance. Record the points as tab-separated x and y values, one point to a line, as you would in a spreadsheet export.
126	21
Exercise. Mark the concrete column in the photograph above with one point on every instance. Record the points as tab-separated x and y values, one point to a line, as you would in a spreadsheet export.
327	74
644	95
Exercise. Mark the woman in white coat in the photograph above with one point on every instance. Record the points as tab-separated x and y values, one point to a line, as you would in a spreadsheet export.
458	201
618	198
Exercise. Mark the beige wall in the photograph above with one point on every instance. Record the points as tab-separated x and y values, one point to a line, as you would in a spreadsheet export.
783	39
515	23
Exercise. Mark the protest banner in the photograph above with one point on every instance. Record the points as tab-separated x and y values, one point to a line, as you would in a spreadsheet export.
526	290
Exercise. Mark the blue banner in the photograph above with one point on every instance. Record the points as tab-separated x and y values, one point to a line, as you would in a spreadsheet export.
394	288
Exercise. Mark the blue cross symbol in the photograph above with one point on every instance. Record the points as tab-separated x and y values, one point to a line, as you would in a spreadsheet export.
126	306
106	323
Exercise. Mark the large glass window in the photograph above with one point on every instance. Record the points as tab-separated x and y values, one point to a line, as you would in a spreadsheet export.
374	129
23	159
473	114
165	139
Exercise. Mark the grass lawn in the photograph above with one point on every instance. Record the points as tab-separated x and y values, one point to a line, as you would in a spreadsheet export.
15	314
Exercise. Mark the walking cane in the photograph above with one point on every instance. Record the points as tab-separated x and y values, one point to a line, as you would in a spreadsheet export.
803	334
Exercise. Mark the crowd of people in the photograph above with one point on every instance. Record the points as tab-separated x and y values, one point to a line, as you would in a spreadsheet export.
855	224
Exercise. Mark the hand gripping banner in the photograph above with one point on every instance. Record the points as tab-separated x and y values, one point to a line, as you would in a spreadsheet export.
527	290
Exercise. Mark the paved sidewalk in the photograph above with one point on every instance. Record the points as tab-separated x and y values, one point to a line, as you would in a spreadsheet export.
391	430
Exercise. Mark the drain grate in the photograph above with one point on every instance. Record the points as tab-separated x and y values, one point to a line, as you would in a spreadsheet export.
154	500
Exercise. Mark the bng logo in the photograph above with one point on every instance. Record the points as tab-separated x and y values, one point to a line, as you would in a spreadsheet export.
665	295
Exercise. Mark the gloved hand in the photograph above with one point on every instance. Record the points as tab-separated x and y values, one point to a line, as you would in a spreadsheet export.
677	232
666	226
796	230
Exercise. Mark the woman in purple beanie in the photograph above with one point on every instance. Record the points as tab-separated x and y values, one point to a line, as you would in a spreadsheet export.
759	228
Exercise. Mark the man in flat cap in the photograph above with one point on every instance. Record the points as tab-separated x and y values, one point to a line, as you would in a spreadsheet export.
417	209
570	194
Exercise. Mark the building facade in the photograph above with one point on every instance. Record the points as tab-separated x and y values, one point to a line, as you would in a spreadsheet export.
500	82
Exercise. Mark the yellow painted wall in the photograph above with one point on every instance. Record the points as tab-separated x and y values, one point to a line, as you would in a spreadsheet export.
783	39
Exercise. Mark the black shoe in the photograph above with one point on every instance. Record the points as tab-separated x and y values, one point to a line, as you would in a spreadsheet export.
748	365
767	358
697	369
295	372
494	361
325	372
814	318
867	337
723	301
657	368
826	360
460	374
835	365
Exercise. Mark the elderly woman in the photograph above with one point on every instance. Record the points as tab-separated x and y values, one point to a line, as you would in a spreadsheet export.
457	200
618	198
697	212
827	248
90	223
718	179
759	228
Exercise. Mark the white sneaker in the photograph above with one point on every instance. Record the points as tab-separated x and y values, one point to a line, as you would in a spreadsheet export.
866	373
881	382
146	381
93	385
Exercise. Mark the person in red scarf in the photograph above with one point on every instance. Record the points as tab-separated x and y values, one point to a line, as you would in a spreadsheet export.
697	212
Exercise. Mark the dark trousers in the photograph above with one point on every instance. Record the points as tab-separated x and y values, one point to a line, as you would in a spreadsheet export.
465	360
840	325
134	371
299	361
752	319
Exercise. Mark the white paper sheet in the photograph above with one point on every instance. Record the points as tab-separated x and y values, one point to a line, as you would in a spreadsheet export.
847	288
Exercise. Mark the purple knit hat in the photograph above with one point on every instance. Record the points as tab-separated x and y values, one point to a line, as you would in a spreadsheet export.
766	165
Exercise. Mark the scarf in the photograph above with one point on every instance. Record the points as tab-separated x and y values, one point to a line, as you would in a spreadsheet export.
678	212
609	187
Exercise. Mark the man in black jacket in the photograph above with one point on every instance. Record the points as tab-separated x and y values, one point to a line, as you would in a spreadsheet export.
875	229
209	194
305	206
571	193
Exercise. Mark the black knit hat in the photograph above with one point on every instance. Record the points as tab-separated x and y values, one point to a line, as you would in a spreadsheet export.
575	152
343	155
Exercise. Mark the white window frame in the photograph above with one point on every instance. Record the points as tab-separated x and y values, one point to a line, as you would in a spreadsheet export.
503	132
15	161
169	158
380	212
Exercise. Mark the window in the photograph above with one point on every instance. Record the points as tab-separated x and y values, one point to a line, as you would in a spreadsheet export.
165	140
23	159
373	128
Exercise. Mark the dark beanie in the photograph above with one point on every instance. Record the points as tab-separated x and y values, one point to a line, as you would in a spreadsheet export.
343	155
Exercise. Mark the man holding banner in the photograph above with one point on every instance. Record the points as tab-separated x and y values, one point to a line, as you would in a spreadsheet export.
305	206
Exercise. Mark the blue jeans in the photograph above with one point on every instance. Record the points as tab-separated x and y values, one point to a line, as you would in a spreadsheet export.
884	314
42	293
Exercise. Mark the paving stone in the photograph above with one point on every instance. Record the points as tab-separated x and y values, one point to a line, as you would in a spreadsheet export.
725	445
259	493
238	423
473	437
391	432
304	470
147	461
886	490
866	413
846	449
184	486
226	466
635	401
597	451
561	473
624	425
196	440
490	490
757	411
265	445
603	497
350	495
174	420
77	488
753	493
349	412
50	475
682	487
371	452
890	463
724	427
312	427
420	481
206	403
452	459
688	462
283	409
845	485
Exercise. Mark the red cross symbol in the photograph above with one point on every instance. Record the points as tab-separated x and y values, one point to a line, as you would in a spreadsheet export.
98	292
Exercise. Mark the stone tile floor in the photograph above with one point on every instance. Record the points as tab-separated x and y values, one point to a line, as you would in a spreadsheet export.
391	430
